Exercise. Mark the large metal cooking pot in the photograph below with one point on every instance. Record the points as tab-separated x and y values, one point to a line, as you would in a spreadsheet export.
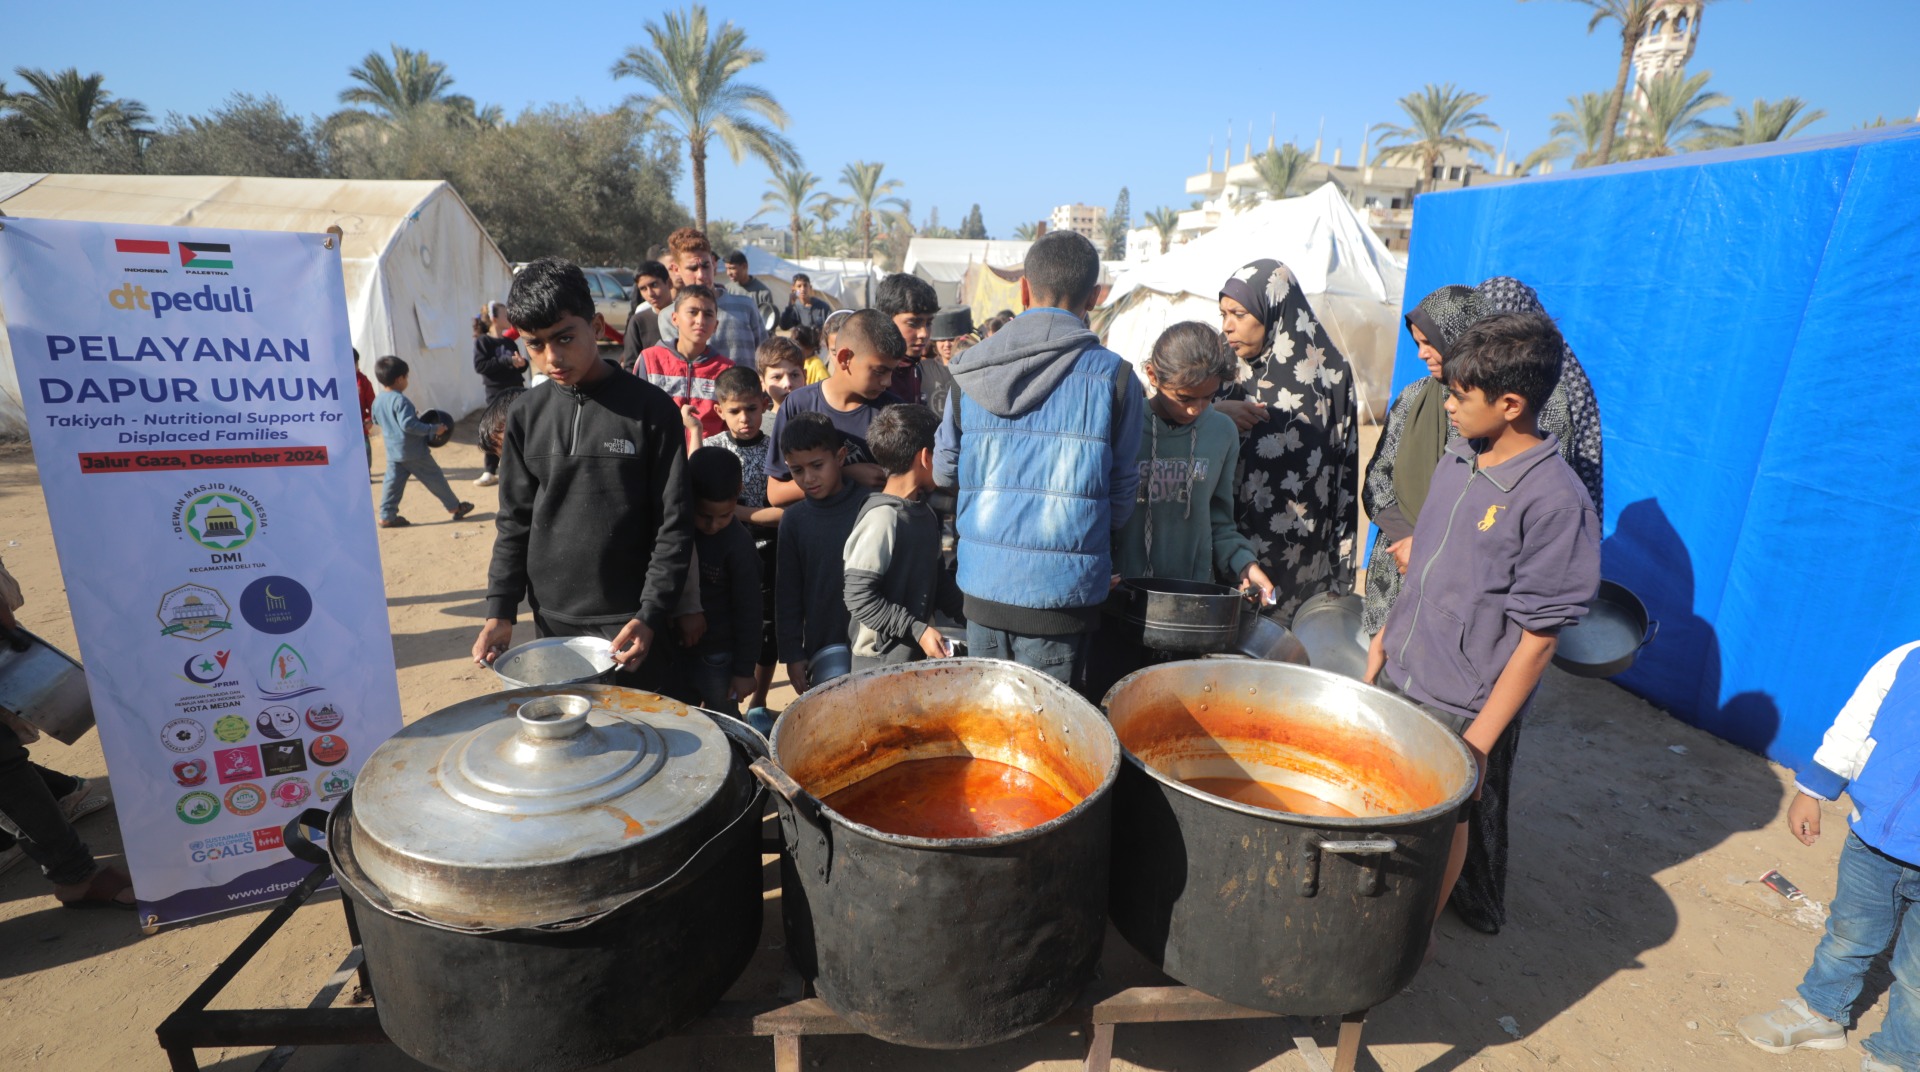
950	942
549	879
1185	617
1329	625
1288	913
46	689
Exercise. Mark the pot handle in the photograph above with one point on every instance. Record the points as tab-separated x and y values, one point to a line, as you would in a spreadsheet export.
1377	845
296	838
802	806
1653	630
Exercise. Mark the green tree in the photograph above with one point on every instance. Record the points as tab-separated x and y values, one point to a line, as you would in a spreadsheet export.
973	226
1281	170
1026	232
695	77
825	212
410	88
793	192
1632	16
244	135
1670	119
1166	221
1767	122
871	200
1119	222
1439	118
1583	127
64	104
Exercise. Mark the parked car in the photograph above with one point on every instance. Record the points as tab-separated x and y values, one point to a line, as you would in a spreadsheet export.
611	300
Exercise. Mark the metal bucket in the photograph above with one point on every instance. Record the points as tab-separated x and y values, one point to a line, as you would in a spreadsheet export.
1185	617
943	942
1283	912
46	689
551	662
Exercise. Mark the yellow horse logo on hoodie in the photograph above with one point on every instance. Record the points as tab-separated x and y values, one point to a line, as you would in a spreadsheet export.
1487	521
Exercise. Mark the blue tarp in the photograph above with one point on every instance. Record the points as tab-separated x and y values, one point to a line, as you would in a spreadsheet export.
1750	319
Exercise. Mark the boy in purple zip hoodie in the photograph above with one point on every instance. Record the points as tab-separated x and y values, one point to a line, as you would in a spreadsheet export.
1506	553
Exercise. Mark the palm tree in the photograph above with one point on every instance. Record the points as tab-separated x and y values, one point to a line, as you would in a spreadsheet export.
1769	122
1553	150
1281	168
64	104
1669	120
825	211
725	234
1632	17
1439	118
694	77
1026	232
870	198
411	86
1166	221
1584	121
794	192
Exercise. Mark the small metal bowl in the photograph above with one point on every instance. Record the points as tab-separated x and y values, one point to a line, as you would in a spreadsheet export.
1608	638
555	661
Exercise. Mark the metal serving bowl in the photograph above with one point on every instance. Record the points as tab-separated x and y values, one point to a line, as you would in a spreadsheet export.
554	661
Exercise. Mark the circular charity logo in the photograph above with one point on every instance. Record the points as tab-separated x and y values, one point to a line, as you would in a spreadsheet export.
276	605
193	612
328	749
246	798
197	807
190	772
230	728
183	735
219	520
277	722
291	792
334	784
325	717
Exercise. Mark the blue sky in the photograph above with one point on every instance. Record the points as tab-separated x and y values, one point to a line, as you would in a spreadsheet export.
1017	106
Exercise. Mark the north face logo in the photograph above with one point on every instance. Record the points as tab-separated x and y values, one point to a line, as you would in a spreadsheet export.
618	446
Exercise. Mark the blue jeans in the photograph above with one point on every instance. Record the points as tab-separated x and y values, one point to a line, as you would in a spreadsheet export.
1877	901
1062	657
428	470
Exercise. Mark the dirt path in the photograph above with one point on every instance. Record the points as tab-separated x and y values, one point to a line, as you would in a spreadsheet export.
1637	938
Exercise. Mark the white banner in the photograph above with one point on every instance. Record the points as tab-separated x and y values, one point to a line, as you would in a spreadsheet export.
194	414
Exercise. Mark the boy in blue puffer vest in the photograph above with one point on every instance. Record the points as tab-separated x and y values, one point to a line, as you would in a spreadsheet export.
1871	753
1041	436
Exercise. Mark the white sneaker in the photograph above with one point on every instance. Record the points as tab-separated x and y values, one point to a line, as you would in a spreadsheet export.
82	802
1868	1064
486	480
1792	1027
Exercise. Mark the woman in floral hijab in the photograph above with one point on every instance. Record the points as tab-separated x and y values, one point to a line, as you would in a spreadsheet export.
1300	454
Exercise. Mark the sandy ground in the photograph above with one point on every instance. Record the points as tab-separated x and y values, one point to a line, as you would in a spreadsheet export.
1638	933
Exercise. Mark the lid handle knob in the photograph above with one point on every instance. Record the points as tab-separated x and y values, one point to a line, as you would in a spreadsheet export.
551	718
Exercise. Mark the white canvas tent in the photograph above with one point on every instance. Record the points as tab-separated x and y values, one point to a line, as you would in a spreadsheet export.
944	261
843	279
777	273
418	265
1352	280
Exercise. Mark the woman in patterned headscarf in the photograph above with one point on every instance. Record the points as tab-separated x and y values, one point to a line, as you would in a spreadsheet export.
1571	412
1300	455
1410	447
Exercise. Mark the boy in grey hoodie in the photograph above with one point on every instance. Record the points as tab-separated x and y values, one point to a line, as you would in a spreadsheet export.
1505	554
1040	436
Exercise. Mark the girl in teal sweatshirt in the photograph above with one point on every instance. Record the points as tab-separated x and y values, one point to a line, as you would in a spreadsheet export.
1182	525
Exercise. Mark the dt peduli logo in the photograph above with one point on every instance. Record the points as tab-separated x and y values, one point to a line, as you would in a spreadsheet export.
193	612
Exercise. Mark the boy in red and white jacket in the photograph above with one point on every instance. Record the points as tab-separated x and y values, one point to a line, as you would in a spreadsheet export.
687	368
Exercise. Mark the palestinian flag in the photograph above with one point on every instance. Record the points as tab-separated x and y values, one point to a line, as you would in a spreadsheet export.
139	245
206	255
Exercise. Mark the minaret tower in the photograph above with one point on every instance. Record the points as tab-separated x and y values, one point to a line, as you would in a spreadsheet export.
1673	27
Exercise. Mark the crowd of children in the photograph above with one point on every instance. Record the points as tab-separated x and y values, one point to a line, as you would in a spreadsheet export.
800	494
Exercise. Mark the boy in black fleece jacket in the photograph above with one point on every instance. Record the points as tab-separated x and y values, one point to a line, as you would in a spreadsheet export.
809	609
595	528
895	579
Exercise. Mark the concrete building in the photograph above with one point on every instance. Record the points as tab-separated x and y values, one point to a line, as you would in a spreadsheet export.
1383	193
1087	220
1673	28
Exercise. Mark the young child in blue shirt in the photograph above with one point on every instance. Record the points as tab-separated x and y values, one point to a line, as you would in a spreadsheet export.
1872	754
406	435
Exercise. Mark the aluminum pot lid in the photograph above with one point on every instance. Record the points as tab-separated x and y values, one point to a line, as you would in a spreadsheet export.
533	803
